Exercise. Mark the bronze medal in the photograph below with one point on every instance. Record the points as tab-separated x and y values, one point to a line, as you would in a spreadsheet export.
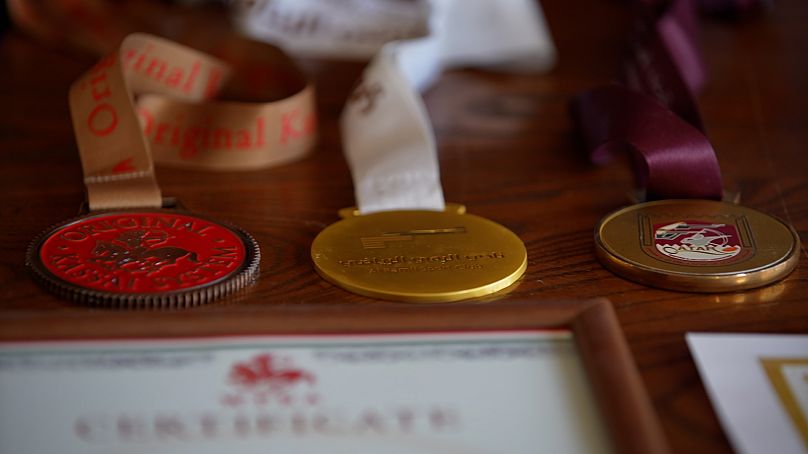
419	256
697	245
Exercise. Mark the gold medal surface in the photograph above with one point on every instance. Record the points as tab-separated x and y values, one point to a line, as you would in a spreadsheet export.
696	245
419	256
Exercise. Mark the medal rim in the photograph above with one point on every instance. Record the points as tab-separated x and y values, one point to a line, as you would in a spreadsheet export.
236	280
698	282
416	297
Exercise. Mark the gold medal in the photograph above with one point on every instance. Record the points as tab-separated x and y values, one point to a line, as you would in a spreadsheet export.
697	245
419	256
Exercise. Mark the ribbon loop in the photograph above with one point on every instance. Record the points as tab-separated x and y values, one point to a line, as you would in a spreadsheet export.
150	100
656	118
673	159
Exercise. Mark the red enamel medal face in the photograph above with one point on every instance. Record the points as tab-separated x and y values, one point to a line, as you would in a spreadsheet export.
144	258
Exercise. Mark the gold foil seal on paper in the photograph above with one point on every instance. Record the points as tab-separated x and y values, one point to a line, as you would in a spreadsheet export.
419	256
697	245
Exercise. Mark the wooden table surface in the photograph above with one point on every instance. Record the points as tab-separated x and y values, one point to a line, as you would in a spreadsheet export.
507	151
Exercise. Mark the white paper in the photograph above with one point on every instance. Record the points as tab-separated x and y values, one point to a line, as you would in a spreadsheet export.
497	392
754	414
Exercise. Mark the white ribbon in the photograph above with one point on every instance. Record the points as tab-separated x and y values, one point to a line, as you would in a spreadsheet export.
389	143
387	138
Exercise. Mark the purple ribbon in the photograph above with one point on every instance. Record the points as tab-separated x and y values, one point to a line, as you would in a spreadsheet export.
655	116
673	159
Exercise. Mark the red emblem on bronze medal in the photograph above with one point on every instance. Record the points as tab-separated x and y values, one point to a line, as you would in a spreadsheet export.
722	240
144	259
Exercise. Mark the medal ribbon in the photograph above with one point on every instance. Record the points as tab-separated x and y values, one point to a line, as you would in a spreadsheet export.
154	99
655	116
387	138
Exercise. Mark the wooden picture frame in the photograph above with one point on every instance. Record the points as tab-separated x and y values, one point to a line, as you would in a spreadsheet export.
625	407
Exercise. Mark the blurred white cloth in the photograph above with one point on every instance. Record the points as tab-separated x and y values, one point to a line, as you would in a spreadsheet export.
341	29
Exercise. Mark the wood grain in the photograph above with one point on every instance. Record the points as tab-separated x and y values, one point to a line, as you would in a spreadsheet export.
507	151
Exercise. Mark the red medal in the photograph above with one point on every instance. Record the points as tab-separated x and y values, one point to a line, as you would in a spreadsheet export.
150	258
128	251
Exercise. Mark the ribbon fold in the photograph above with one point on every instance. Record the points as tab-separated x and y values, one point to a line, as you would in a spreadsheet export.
655	116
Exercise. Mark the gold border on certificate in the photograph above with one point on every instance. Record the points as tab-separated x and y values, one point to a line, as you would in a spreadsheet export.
774	371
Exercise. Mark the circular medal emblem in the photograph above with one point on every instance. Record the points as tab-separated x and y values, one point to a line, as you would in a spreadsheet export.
419	256
144	259
696	245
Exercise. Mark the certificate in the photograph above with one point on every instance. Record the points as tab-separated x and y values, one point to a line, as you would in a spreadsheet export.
495	388
759	386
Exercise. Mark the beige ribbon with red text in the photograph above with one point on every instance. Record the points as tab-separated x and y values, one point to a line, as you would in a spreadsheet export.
153	99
